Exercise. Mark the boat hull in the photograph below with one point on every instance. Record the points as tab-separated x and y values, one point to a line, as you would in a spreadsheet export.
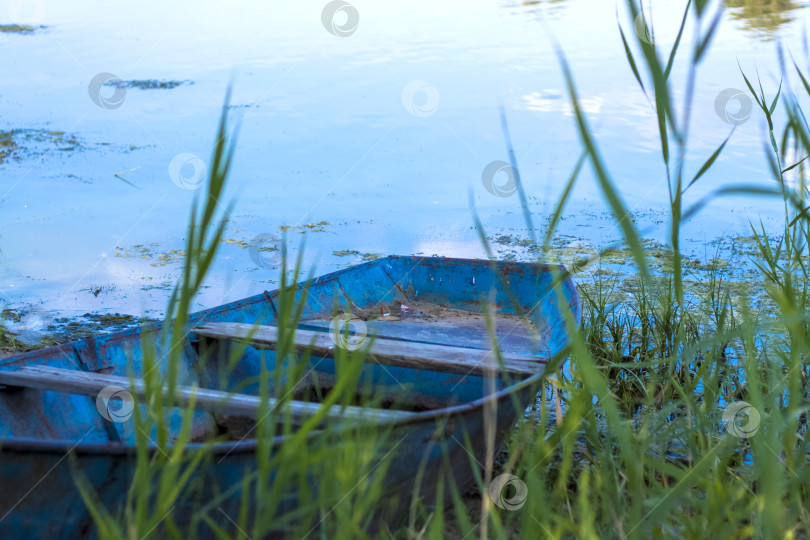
45	502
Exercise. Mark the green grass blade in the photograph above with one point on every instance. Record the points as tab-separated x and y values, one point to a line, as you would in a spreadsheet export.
710	161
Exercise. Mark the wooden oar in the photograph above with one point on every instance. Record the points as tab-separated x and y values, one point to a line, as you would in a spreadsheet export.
91	384
389	352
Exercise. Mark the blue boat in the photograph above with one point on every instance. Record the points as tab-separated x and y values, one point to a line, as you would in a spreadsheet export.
429	336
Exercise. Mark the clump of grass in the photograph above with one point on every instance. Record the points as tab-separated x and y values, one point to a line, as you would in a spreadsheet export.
644	449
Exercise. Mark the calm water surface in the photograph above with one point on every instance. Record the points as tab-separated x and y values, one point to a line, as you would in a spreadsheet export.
372	141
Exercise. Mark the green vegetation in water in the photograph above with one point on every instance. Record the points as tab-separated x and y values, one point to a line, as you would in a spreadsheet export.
148	84
247	244
149	253
346	253
91	324
365	257
19	28
96	290
164	286
305	228
764	18
159	258
7	145
12	325
61	329
19	143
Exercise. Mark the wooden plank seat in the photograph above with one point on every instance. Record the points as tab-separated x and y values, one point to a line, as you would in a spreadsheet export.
384	351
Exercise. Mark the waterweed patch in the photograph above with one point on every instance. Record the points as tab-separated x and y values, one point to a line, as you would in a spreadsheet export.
148	84
19	28
19	143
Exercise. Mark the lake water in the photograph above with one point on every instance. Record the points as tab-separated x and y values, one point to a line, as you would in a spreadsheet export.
368	127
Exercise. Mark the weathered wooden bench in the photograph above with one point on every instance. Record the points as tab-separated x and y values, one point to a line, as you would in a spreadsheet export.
385	351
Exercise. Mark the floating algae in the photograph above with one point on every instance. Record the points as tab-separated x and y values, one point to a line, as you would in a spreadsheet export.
140	251
19	28
147	84
307	227
19	143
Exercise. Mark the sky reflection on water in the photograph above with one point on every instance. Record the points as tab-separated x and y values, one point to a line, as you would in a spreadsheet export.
380	134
